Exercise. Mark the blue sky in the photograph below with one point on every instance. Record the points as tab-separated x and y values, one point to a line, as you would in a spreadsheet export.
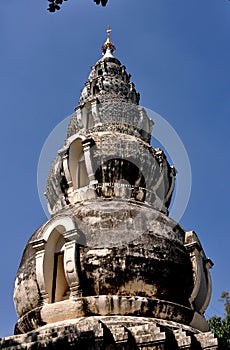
178	53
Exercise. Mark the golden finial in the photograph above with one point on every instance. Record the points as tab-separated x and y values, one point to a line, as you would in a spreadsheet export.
108	45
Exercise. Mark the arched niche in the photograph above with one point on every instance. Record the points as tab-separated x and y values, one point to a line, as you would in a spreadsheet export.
54	275
54	248
120	173
77	165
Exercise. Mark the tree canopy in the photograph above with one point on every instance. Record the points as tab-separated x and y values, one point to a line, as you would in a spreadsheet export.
221	326
56	4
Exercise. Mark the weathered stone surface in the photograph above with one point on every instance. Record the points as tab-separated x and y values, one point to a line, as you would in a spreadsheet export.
119	149
110	270
26	282
109	78
121	166
110	333
122	249
105	305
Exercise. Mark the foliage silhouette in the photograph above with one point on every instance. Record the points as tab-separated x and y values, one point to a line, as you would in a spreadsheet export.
55	5
221	326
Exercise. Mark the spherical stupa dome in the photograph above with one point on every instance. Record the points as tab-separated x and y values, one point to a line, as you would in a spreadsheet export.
98	253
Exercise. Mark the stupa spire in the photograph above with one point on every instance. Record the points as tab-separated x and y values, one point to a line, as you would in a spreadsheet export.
108	48
110	269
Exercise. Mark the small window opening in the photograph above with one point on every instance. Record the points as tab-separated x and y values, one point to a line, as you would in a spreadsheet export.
60	286
96	90
77	165
89	120
82	176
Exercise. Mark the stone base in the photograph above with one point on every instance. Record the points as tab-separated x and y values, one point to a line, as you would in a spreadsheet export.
112	305
110	333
